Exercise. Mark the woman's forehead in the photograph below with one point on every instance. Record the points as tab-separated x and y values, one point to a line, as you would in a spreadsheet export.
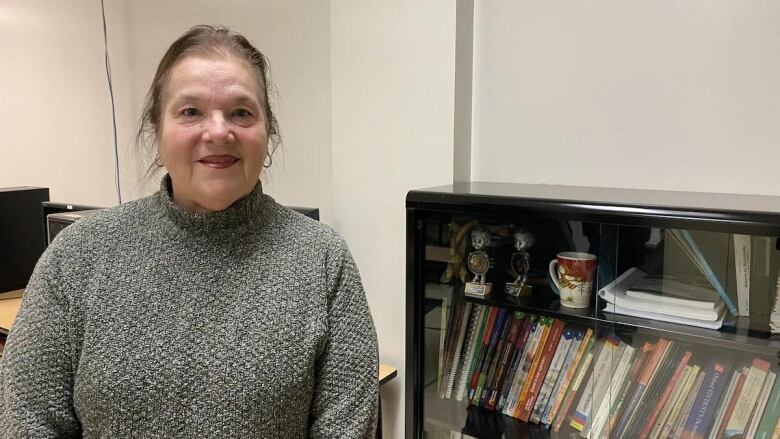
199	77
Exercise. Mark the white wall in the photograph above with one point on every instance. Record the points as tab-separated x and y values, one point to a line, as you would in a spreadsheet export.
393	70
294	37
384	72
663	95
57	115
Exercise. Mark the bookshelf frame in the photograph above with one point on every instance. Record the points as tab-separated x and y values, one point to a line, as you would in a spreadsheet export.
727	213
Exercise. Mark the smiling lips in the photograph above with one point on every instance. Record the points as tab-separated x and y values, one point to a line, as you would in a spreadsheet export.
219	161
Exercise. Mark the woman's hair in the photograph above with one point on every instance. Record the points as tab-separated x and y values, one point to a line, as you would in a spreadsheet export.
208	41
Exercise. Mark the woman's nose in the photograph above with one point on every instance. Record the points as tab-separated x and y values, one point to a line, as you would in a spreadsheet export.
217	129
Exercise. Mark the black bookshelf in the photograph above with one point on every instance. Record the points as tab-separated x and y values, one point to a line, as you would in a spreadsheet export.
611	208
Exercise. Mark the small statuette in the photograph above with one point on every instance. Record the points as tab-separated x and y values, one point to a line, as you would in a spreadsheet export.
520	264
479	263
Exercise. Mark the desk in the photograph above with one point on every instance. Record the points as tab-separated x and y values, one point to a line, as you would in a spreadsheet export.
9	307
386	373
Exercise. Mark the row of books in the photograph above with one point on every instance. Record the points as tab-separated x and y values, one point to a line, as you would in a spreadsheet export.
538	370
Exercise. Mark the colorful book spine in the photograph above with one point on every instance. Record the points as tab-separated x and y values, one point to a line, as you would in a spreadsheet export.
522	390
672	404
580	374
491	362
498	327
522	341
648	402
723	403
664	426
571	394
530	347
771	414
641	385
564	378
556	332
602	371
503	364
763	399
628	386
688	407
731	404
595	426
510	326
542	328
650	423
553	373
746	400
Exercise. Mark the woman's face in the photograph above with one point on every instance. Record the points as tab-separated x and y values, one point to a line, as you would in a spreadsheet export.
213	135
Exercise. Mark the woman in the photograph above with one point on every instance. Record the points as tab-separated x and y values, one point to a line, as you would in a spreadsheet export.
205	310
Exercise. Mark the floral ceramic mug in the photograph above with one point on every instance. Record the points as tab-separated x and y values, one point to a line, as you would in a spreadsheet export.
573	273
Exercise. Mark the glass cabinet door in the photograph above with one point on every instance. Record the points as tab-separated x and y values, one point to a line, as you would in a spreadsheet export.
535	326
697	307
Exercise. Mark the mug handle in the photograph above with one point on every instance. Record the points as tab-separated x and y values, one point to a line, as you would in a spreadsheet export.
554	276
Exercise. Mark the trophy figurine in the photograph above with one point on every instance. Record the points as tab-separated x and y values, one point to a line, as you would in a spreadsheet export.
520	264
479	263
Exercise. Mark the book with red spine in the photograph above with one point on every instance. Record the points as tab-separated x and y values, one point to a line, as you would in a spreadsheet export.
665	395
509	322
527	405
498	328
534	346
522	341
639	389
731	404
576	388
503	364
628	386
560	393
648	402
533	363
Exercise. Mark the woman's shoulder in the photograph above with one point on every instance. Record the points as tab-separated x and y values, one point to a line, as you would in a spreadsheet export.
104	226
302	230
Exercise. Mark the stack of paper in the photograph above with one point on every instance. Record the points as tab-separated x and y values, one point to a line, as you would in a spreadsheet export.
635	294
774	319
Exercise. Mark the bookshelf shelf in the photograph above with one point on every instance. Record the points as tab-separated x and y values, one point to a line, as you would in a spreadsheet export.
735	335
461	342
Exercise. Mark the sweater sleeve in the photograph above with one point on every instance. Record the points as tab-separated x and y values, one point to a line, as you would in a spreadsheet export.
346	393
36	373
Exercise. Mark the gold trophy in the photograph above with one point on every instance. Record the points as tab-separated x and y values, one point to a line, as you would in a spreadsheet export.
520	265
479	263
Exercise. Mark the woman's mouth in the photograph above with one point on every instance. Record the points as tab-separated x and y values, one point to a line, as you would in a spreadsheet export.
219	161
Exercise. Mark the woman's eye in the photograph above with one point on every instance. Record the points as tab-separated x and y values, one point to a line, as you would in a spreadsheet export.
190	112
242	113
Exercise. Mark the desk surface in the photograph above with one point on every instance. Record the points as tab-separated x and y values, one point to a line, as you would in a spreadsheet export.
386	373
12	300
9	306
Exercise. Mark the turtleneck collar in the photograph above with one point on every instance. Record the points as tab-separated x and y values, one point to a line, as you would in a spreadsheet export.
249	210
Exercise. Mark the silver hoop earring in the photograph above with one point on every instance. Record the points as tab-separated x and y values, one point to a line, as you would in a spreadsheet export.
158	161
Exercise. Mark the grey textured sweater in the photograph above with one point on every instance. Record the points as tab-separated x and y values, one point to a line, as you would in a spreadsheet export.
148	321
